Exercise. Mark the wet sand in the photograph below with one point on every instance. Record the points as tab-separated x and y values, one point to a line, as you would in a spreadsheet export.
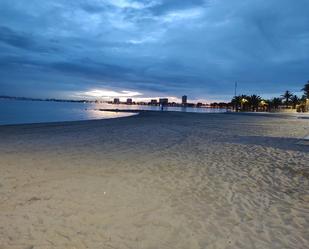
156	180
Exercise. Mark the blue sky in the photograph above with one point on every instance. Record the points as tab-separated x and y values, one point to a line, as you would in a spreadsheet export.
152	48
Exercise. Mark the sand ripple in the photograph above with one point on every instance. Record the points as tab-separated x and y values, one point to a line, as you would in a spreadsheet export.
156	181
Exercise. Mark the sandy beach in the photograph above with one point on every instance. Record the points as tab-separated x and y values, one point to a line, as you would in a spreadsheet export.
156	180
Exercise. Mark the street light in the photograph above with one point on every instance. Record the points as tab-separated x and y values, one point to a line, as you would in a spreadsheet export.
243	101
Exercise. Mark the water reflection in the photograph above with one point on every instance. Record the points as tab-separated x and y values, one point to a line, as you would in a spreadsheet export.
25	112
22	112
157	108
96	114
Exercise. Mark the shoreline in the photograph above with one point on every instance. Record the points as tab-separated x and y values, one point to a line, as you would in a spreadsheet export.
134	113
72	121
138	112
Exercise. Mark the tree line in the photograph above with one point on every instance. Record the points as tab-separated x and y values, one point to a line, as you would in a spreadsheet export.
286	100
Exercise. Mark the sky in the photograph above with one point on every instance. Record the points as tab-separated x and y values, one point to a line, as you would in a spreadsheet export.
153	48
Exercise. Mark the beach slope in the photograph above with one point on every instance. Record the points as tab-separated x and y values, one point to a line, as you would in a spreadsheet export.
156	180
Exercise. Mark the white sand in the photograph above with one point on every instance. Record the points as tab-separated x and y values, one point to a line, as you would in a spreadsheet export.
156	180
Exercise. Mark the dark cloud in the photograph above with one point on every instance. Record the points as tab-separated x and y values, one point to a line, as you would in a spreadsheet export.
17	40
92	8
174	5
23	40
157	47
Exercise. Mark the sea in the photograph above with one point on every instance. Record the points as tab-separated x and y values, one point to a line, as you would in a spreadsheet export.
14	111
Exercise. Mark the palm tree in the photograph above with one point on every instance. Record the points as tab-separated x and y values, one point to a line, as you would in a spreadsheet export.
236	101
240	102
244	103
303	98
268	104
295	101
254	102
276	102
287	96
303	103
306	90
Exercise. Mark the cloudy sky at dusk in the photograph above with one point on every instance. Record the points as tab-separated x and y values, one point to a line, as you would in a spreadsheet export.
153	48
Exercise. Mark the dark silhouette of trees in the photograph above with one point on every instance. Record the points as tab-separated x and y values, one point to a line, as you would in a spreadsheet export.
287	97
236	102
244	102
306	90
303	98
275	103
295	101
254	102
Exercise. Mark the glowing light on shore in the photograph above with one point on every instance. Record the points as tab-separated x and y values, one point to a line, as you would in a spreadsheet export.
244	100
263	102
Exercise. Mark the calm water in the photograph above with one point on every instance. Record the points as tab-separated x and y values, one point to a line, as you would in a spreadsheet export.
157	108
21	112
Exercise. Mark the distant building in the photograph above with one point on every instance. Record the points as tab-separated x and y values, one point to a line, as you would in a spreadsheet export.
129	101
153	102
199	104
184	100
116	101
163	101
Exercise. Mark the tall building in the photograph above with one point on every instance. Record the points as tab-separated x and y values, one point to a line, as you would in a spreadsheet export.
184	100
116	101
129	101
